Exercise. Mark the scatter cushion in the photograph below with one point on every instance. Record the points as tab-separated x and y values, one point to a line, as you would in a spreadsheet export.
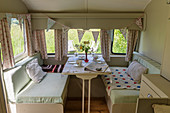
34	71
161	108
135	70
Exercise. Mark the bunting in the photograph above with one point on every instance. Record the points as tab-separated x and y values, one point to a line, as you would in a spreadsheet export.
28	17
65	29
9	16
80	34
139	23
95	35
20	19
124	31
50	23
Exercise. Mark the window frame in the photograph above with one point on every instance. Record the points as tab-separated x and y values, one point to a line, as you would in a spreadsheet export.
112	40
23	54
54	42
83	53
50	53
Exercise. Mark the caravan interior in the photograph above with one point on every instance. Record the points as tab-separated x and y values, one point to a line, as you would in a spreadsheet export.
84	56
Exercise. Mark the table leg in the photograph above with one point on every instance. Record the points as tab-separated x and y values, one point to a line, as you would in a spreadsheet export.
86	77
83	97
89	96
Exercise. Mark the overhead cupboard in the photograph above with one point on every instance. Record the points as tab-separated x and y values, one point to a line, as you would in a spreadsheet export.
88	20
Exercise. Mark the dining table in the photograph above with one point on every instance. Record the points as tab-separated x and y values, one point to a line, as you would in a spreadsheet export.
72	68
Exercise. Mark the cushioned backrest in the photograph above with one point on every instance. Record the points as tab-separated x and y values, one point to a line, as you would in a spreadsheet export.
15	80
153	66
28	59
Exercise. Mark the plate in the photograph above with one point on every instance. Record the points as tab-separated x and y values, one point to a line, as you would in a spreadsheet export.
72	62
78	65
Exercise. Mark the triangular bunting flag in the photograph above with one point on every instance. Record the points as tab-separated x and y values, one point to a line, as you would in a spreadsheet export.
124	31
95	35
65	29
9	16
80	34
28	17
50	23
20	19
139	23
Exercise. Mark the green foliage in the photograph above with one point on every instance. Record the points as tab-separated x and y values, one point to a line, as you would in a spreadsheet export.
17	38
88	36
50	41
119	42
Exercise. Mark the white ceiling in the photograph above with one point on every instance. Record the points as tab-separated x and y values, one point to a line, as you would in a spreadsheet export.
86	5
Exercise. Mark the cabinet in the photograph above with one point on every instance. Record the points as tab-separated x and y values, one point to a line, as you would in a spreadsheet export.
154	86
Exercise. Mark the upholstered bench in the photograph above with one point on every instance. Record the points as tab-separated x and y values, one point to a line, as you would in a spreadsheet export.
124	100
30	97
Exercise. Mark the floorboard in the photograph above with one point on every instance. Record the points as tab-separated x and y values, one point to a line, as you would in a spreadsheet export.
98	105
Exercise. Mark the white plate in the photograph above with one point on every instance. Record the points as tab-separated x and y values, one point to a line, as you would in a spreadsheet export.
72	62
78	65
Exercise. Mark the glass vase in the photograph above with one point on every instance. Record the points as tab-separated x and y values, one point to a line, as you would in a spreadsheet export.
86	59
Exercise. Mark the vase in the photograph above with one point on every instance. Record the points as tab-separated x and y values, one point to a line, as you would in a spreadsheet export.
86	60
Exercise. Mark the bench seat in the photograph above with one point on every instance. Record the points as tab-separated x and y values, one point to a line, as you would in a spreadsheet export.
120	94
124	96
50	90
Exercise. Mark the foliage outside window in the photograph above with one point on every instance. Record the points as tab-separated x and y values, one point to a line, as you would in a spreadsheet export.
119	43
88	36
17	38
50	41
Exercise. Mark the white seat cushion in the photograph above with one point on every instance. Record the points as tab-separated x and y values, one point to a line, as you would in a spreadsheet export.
49	90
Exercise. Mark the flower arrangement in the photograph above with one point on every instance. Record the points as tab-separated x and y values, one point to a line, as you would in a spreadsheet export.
83	47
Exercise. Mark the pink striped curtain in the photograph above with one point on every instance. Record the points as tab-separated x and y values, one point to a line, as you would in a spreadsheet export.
30	49
105	44
61	44
7	51
131	43
40	43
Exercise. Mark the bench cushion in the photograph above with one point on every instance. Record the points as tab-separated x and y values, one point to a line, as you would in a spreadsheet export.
49	90
119	79
124	96
153	66
15	80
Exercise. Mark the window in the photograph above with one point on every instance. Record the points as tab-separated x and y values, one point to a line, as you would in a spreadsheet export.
88	36
119	43
17	38
50	42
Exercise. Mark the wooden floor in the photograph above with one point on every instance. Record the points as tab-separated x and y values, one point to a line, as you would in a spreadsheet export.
97	106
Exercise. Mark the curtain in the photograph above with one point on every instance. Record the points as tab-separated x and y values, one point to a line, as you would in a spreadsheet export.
30	50
40	43
61	44
7	51
65	40
131	43
105	44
